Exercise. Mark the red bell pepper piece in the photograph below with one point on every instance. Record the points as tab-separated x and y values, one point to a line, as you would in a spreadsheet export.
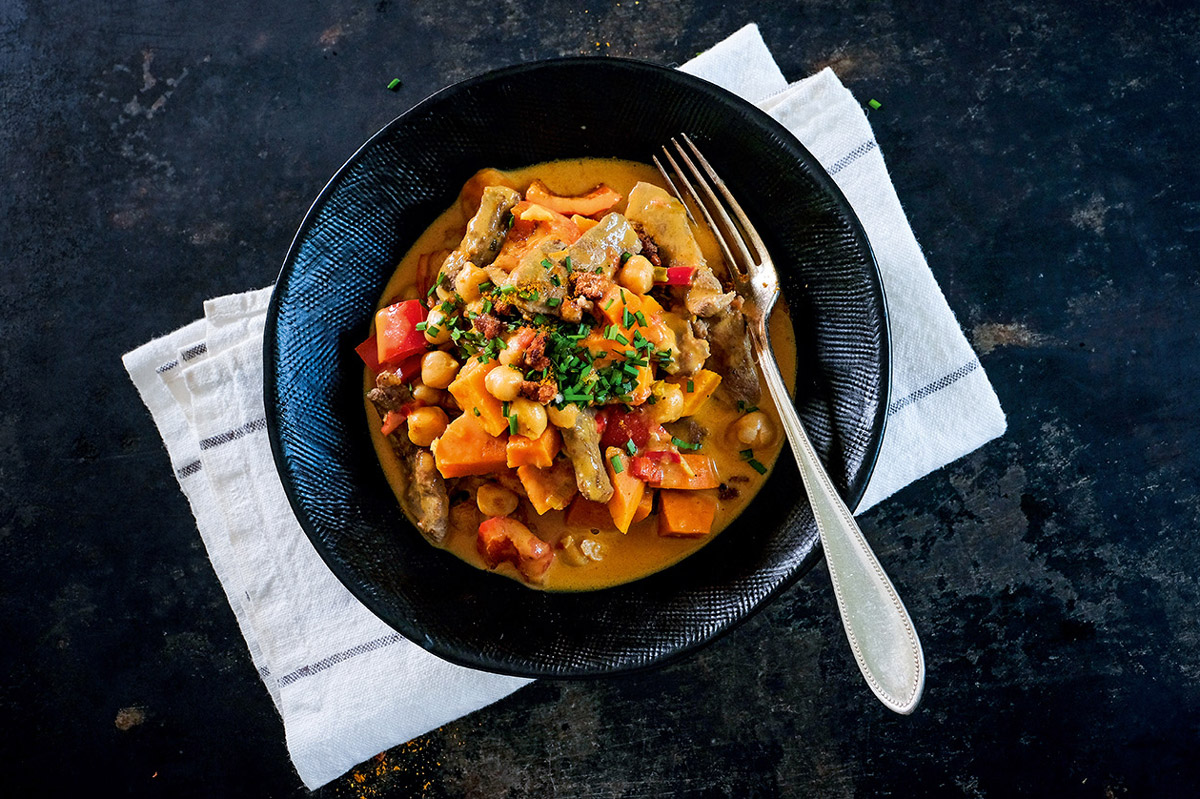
396	333
675	275
409	367
369	352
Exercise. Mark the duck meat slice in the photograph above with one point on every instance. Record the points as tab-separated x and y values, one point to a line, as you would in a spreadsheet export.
485	232
602	245
423	491
732	357
664	219
540	284
582	444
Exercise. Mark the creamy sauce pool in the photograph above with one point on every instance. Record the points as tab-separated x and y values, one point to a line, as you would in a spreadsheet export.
641	551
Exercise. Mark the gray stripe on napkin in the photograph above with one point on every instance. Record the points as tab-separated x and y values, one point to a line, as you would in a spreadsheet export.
932	388
233	435
338	657
852	156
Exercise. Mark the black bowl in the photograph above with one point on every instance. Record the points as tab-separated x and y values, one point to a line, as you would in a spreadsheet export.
388	193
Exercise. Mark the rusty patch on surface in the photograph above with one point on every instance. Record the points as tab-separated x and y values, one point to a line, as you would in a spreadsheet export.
990	335
332	35
129	717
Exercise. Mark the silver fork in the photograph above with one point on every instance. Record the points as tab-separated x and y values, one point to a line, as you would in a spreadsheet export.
881	634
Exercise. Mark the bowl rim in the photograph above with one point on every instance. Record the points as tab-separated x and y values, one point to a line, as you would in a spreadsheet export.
817	173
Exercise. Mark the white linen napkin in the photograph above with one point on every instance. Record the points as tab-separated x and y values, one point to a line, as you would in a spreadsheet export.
346	685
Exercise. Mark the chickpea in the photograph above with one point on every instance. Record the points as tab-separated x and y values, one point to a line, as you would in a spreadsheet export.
668	404
637	274
504	383
427	395
564	417
437	327
426	424
438	369
753	430
468	281
578	551
510	354
531	416
495	500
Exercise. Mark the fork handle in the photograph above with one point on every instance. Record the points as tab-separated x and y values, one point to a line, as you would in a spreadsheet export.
881	634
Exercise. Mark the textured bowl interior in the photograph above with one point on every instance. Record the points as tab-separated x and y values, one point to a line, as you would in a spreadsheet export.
377	205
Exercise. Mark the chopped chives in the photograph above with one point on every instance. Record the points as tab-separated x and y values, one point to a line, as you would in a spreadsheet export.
641	318
620	339
554	279
420	325
874	103
507	289
504	408
631	447
679	442
747	454
758	467
618	467
691	386
626	318
609	304
395	84
567	263
512	425
476	411
486	286
625	256
433	330
547	264
553	302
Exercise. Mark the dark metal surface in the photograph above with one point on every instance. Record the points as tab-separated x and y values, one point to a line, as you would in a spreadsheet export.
159	154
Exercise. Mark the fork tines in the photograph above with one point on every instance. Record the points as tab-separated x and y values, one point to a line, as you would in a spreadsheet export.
740	242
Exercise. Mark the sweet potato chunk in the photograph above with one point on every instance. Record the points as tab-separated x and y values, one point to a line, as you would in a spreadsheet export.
548	489
687	514
539	452
692	472
474	398
627	489
466	448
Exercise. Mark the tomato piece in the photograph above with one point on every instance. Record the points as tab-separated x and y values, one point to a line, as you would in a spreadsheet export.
502	539
396	331
623	426
392	421
646	469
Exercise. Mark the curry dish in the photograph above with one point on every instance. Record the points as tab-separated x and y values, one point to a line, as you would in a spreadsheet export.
559	385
